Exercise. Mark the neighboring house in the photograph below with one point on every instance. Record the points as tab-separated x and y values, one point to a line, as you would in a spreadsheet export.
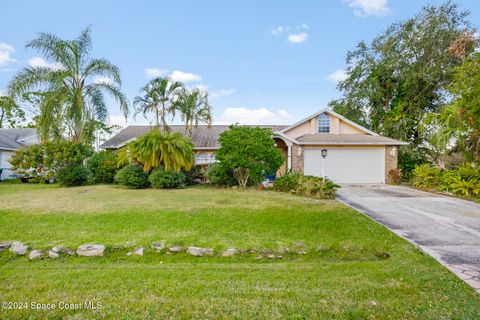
354	154
11	140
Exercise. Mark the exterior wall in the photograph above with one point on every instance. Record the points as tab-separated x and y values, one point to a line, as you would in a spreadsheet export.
334	125
4	157
297	158
391	161
346	128
284	149
300	130
337	126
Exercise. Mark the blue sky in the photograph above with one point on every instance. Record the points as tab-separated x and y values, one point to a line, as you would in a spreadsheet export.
262	61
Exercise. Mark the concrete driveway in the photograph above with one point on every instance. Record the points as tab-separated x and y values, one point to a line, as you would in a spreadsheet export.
444	227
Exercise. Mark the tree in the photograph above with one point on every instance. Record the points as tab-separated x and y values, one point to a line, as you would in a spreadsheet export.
460	120
249	152
154	149
10	112
404	72
70	93
158	96
194	108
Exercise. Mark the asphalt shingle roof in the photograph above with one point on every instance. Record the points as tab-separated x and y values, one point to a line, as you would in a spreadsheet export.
12	139
347	139
202	136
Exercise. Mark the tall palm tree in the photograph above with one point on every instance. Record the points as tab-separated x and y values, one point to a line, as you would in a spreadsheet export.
72	89
194	108
172	150
158	96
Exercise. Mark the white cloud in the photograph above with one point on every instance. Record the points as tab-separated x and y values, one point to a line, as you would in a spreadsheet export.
277	31
295	34
337	75
184	76
222	93
39	62
3	92
253	116
154	72
297	37
6	51
363	8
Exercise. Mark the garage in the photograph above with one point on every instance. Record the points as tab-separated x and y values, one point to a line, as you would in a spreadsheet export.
347	165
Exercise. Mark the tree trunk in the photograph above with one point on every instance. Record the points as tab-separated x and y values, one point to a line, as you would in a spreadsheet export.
242	175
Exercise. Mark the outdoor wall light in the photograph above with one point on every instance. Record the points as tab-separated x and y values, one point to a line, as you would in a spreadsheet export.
324	153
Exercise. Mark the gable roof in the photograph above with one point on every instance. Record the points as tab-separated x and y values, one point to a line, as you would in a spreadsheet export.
15	138
203	137
329	111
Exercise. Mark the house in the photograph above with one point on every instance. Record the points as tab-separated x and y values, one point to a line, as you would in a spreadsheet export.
325	143
11	140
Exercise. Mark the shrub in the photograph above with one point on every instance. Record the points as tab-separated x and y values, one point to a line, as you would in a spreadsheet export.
166	179
463	181
73	175
311	186
425	176
196	175
316	187
42	161
395	175
287	182
103	166
219	175
408	159
132	176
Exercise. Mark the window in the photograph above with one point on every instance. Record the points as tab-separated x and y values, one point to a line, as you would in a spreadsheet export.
204	158
323	123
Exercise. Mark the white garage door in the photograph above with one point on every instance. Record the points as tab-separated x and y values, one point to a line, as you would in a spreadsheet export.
347	165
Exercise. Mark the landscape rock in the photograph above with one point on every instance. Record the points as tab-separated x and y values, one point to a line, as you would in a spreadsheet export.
137	252
53	255
284	250
200	252
229	252
91	250
70	252
158	246
4	246
302	252
35	254
18	248
175	249
58	249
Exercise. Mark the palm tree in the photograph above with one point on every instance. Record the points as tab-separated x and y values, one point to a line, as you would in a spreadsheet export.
158	96
71	91
194	108
172	150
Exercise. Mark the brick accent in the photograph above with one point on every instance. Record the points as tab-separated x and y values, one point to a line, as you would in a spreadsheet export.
297	158
391	161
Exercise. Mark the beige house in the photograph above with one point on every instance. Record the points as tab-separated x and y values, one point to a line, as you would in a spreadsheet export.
325	143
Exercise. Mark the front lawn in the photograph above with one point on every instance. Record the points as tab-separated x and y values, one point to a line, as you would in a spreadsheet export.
353	268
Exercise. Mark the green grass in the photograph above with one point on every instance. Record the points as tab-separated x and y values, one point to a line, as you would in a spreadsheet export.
344	274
